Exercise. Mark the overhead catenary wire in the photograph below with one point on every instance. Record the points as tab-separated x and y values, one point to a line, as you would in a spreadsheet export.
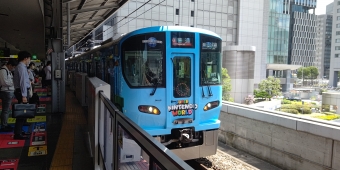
126	17
133	18
120	21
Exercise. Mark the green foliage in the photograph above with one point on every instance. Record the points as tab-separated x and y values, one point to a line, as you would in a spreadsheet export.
285	101
323	90
303	71
302	109
261	94
314	72
312	98
290	111
328	113
328	117
325	107
271	85
226	85
311	72
313	103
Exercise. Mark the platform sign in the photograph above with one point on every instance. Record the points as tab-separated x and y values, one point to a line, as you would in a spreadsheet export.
37	119
37	150
12	143
9	164
38	138
39	127
11	120
41	110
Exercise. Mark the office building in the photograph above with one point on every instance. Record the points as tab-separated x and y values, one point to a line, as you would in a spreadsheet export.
291	38
302	33
323	44
335	46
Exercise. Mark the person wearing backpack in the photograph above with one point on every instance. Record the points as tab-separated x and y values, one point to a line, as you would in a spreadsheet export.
6	92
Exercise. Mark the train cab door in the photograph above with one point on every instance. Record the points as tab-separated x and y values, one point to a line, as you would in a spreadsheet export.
181	90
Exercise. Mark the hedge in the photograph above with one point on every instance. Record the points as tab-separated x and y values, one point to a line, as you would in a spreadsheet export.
294	111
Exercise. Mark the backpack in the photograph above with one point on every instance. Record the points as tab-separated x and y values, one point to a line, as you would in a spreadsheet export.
7	75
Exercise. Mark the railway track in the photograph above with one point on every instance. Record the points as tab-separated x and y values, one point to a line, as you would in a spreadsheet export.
196	165
220	161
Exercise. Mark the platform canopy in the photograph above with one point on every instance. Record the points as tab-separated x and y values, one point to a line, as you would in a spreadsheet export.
282	67
30	24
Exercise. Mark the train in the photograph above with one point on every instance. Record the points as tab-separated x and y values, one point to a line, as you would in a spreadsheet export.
168	80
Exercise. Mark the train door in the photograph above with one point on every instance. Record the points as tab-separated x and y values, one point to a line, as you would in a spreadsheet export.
181	84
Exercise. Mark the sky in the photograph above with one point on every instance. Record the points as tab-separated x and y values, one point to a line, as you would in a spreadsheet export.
321	6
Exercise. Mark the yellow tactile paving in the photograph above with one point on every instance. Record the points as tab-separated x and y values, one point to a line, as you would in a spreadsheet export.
63	155
61	168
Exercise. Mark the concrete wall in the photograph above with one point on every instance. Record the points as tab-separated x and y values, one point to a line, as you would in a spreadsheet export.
239	61
331	99
285	140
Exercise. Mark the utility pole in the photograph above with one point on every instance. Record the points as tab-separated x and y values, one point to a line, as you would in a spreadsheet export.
302	77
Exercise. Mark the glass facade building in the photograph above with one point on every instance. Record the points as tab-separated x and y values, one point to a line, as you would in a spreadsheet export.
278	32
287	24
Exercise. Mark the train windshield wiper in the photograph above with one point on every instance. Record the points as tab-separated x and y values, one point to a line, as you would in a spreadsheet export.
155	83
209	91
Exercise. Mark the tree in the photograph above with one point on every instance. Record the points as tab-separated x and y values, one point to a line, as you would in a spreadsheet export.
311	72
271	85
314	72
303	73
226	86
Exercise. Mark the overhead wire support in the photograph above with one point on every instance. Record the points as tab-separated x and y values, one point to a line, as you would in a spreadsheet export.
127	17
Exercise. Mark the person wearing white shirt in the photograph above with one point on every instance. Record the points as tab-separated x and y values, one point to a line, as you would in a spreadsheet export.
6	92
48	77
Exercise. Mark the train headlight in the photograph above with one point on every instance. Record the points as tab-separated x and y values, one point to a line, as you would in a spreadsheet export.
149	109
211	105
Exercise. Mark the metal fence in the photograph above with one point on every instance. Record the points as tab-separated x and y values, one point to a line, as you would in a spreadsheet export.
116	130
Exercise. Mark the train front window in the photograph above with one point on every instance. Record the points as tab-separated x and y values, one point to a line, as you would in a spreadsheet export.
143	60
182	77
210	61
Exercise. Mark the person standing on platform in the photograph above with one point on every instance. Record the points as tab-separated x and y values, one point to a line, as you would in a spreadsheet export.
22	85
48	77
6	92
31	74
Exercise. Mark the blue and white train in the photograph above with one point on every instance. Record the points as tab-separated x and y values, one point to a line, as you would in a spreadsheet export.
168	80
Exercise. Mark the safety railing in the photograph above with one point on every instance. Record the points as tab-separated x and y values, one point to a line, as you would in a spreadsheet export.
122	143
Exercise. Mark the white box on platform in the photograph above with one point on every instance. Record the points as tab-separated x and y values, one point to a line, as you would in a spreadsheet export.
130	151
